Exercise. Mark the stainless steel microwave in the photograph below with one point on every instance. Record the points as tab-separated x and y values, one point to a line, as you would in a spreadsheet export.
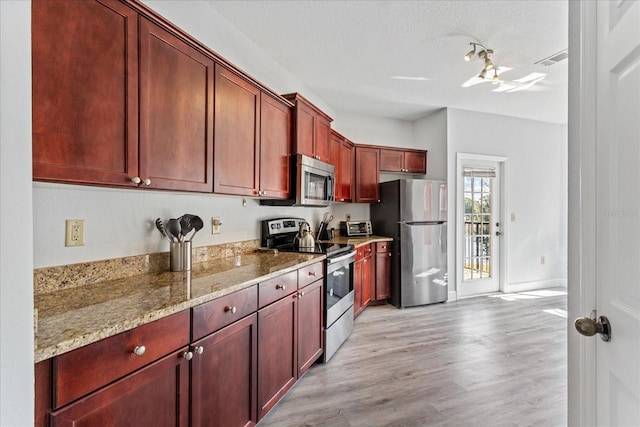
314	182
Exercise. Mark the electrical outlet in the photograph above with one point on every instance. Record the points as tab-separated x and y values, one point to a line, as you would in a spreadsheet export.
215	225
74	232
542	259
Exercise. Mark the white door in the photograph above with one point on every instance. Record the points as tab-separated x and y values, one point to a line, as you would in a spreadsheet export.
609	394
479	226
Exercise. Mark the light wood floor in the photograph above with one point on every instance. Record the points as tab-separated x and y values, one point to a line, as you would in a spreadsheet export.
485	361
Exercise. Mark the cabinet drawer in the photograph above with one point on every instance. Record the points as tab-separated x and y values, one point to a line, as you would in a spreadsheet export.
310	274
83	370
383	247
273	289
216	314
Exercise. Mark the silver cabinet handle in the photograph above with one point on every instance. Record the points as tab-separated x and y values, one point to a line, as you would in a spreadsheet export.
282	287
231	309
187	355
300	295
146	181
198	350
136	180
139	350
312	273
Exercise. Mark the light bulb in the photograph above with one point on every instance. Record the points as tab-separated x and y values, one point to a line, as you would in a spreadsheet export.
469	55
496	78
482	73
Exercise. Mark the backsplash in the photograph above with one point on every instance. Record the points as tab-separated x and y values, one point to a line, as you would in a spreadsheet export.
49	279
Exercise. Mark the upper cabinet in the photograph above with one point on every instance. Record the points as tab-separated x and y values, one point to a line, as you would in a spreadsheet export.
252	139
403	160
176	112
87	74
85	92
367	174
312	128
342	157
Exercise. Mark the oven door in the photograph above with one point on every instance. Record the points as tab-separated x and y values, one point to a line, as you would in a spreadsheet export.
315	182
338	287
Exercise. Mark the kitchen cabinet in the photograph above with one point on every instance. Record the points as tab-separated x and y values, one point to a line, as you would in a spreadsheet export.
312	128
362	278
367	176
342	158
141	375
310	320
85	92
224	364
252	139
223	376
277	370
403	160
118	100
382	272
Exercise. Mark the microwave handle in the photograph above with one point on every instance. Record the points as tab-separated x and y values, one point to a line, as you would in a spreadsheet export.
331	182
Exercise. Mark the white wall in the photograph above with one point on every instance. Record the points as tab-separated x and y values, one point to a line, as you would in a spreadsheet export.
16	249
537	191
430	133
361	129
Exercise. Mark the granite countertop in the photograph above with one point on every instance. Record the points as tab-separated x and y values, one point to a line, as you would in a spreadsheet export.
360	241
67	319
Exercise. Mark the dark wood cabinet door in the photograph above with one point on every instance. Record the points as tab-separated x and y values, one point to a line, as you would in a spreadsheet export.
357	288
237	142
156	395
367	280
85	91
275	148
383	275
310	312
223	377
345	181
367	175
335	143
176	112
391	160
277	367
323	132
415	162
305	129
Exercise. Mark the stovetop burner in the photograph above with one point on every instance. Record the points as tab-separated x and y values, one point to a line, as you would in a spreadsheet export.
280	234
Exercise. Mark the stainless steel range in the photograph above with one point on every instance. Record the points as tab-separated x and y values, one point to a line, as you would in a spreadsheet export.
280	234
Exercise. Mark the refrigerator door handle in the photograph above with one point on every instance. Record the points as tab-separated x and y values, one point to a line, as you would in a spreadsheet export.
410	223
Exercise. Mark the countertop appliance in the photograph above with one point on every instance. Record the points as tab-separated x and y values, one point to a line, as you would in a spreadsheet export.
314	183
356	228
414	213
280	234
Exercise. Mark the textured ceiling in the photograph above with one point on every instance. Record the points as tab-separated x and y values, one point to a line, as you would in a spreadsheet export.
348	52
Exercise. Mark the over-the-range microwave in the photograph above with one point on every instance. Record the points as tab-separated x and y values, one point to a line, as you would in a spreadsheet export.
314	182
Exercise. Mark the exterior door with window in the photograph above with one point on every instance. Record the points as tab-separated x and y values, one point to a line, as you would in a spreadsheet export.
480	228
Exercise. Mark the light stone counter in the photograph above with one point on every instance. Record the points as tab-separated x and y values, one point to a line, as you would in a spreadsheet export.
71	317
360	241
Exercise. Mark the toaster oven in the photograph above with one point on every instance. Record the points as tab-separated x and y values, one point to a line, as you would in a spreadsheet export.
355	228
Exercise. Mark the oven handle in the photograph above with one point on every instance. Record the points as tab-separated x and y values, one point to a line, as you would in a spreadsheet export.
351	254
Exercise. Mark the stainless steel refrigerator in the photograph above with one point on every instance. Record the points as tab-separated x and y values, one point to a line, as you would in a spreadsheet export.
414	213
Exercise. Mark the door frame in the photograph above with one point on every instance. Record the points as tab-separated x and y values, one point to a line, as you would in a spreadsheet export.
502	161
582	209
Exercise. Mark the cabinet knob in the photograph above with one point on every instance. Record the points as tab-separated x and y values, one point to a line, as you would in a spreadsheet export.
187	355
136	180
312	273
139	350
198	350
282	287
389	254
146	181
230	309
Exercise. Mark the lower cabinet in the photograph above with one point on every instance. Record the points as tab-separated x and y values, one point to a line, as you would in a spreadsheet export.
363	276
156	395
310	329
223	376
383	272
277	371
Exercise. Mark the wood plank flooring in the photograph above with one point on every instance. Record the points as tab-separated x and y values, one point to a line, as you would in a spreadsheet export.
487	361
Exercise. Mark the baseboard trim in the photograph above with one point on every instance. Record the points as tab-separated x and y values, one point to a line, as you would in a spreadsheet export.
452	296
534	285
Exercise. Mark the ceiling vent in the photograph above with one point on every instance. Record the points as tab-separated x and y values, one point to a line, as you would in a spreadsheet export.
555	58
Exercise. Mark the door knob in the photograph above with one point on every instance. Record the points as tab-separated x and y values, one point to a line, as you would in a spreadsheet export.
590	326
498	233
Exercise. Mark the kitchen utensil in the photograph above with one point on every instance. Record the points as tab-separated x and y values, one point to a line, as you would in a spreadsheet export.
160	227
197	224
173	228
185	224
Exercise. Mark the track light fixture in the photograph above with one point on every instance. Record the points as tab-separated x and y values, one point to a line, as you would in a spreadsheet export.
484	54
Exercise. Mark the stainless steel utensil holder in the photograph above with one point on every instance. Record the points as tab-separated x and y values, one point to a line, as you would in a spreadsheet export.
180	256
